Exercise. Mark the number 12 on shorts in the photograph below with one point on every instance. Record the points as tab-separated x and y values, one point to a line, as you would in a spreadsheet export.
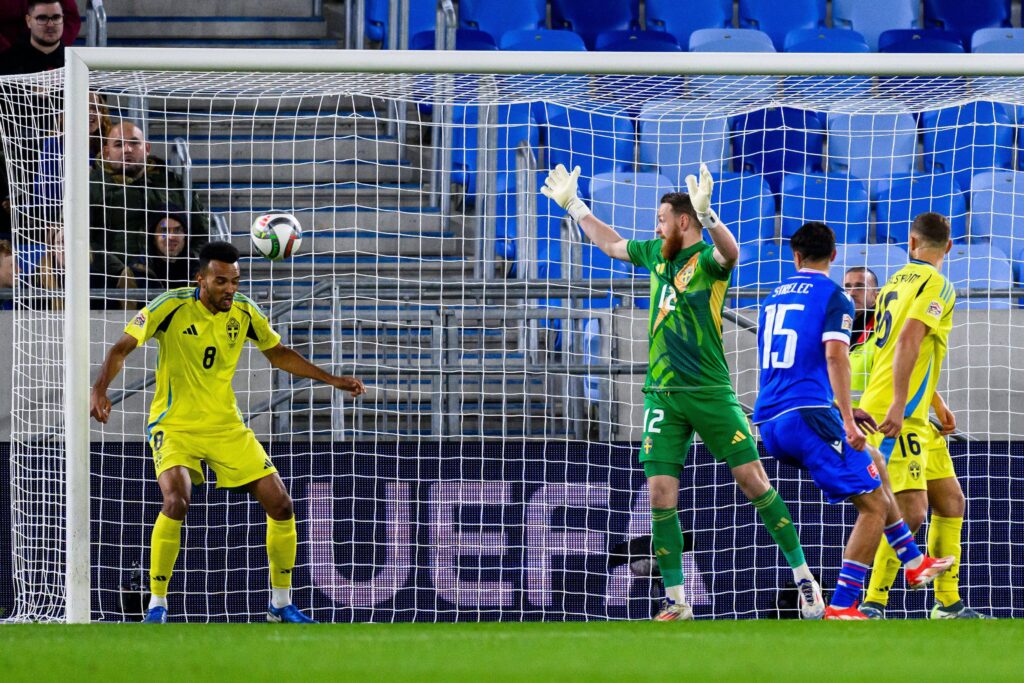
652	417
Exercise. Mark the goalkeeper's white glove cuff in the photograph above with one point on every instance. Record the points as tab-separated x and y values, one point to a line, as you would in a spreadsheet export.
709	220
577	209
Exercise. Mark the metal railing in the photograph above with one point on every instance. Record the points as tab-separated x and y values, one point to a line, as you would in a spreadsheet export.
95	24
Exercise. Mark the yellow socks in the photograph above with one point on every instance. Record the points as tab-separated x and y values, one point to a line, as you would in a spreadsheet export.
164	545
281	545
883	574
944	539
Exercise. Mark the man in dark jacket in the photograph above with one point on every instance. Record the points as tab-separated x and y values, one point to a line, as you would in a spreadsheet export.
126	191
44	50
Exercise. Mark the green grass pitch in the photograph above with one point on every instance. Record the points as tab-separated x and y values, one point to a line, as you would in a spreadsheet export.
623	651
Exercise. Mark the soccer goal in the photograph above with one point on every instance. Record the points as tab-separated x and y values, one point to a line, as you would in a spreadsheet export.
490	472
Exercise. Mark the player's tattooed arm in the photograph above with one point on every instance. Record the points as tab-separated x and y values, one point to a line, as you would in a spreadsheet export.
99	404
837	358
287	359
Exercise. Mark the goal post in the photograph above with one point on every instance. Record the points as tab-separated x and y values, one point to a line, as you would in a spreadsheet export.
582	333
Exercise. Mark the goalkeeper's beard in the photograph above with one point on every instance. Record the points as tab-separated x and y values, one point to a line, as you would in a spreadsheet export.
671	245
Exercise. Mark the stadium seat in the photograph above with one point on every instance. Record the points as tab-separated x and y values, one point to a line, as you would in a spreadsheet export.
825	40
761	266
541	40
498	17
908	197
872	147
730	40
839	201
776	141
677	141
965	18
683	18
594	142
882	259
465	39
635	40
628	202
998	40
1018	267
979	267
908	40
872	17
591	17
422	17
967	139
547	231
515	124
997	209
779	18
745	203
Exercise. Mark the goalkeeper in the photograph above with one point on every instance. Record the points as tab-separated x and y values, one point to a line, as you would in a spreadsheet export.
688	388
194	416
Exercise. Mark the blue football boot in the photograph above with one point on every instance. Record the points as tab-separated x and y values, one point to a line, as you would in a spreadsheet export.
289	614
155	615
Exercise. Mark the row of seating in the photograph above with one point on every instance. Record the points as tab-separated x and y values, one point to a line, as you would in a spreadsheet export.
793	25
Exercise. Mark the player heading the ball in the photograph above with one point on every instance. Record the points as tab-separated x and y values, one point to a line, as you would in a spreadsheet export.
194	415
688	388
803	344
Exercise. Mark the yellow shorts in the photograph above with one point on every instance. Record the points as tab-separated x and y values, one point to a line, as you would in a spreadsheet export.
918	456
234	454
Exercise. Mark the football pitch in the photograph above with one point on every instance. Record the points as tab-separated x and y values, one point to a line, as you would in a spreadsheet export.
623	651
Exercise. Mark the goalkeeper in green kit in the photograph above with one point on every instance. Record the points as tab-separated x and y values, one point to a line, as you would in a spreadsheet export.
688	388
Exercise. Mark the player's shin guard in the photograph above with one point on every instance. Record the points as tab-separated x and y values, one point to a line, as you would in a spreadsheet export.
667	541
776	518
281	544
883	574
943	540
165	543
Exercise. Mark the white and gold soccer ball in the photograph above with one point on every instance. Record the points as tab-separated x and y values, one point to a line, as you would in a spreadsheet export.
276	235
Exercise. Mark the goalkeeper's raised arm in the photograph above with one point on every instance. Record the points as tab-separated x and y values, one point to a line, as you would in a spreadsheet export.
676	227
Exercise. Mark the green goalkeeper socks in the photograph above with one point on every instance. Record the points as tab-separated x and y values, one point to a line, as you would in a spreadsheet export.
667	541
776	518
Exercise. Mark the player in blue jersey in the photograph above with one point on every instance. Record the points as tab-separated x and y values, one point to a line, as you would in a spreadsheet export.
806	418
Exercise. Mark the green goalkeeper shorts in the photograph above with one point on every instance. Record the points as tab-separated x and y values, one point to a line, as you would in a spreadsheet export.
671	418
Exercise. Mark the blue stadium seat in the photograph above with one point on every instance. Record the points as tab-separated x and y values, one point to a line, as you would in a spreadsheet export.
628	202
872	17
967	139
590	17
683	18
514	125
745	203
908	197
422	17
761	266
779	18
997	209
998	40
872	147
547	231
497	17
839	201
825	40
979	267
965	18
635	40
882	259
730	40
677	141
1018	267
465	39
594	142
776	141
906	40
541	40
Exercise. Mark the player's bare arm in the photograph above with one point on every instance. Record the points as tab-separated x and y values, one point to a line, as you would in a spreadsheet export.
285	358
908	347
99	404
944	414
727	251
837	359
560	187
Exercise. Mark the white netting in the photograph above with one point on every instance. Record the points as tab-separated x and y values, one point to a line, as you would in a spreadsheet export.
490	473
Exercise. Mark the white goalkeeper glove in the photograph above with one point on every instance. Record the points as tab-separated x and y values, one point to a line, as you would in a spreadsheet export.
700	197
560	187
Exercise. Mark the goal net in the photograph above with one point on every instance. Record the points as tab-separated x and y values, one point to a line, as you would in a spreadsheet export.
490	473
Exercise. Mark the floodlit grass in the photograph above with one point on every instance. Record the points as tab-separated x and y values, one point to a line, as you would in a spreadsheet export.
695	651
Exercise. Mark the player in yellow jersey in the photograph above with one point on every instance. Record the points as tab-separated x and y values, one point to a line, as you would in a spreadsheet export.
913	317
194	416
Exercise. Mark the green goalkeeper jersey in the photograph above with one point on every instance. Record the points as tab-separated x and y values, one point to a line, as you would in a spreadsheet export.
685	329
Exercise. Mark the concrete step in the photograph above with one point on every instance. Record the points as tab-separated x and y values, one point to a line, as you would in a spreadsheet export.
269	171
294	196
383	220
221	8
286	148
209	27
228	43
319	105
343	243
197	124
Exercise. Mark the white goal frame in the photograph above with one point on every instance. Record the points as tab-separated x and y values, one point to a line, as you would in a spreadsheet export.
79	62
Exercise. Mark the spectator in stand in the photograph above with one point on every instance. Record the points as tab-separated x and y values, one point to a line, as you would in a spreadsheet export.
171	261
5	202
43	50
127	189
6	273
50	180
12	22
861	284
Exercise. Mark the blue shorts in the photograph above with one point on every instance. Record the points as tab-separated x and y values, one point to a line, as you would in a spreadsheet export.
813	439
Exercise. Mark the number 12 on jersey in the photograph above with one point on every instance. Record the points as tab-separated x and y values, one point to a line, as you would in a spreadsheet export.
775	326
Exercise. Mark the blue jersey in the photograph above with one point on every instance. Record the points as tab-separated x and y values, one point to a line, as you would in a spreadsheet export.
796	320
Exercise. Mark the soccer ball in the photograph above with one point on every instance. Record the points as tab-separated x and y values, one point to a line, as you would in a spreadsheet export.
276	235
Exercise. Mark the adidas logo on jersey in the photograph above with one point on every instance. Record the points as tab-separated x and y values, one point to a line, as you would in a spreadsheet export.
191	330
739	436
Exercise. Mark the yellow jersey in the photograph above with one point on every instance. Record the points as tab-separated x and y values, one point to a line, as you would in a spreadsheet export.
199	352
920	292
